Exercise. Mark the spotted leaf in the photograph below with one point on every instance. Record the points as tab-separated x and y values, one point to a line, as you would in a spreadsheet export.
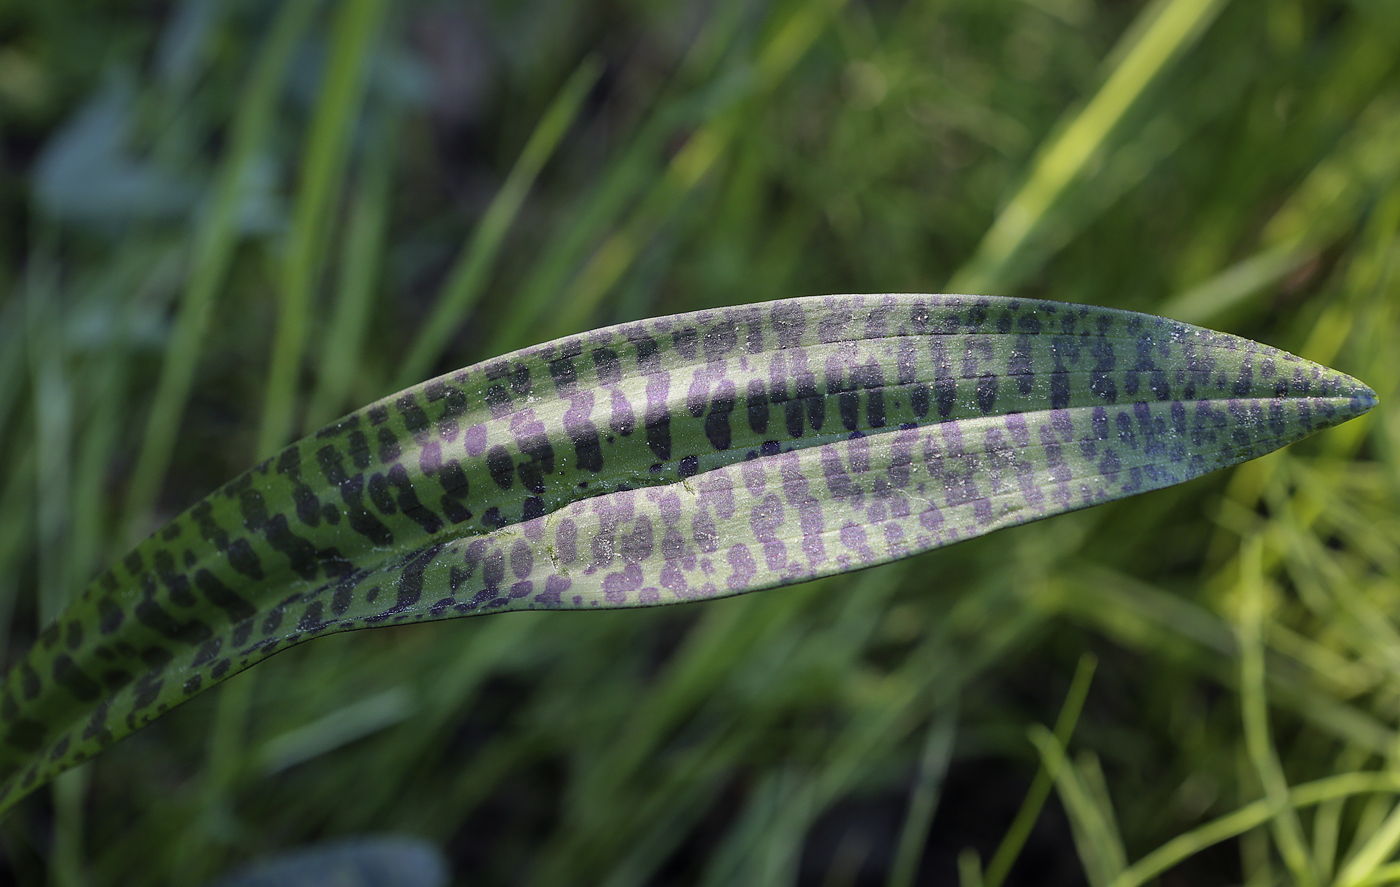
674	459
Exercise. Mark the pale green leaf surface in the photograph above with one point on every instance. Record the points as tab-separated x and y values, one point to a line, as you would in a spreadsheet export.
680	458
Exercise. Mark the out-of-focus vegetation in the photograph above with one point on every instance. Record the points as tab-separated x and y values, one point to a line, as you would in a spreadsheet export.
223	222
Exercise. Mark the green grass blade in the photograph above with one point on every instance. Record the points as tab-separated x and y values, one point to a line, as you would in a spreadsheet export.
1093	825
1369	860
923	801
467	281
703	151
357	27
1251	816
1039	793
214	242
687	457
1288	832
358	279
1168	29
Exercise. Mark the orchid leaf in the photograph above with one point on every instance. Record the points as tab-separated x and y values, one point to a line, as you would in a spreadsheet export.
674	459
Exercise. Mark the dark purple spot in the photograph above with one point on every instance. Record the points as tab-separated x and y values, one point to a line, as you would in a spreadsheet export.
717	429
658	426
758	407
588	451
606	364
623	420
502	468
564	374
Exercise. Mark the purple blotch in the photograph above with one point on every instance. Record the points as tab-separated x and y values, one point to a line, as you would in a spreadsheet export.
853	537
431	458
566	540
1019	431
789	322
522	559
742	563
623	420
1109	465
931	519
672	544
895	541
493	570
554	587
982	511
668	505
901	458
636	546
838	482
474	440
755	477
1127	436
766	518
704	533
717	490
617	585
775	555
673	580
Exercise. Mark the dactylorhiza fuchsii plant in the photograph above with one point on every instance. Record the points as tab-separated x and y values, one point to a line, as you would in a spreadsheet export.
675	459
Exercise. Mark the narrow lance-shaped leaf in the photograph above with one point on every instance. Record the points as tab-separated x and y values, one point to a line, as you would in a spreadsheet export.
675	459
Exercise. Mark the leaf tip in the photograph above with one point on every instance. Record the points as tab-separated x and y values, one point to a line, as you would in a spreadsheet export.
1359	397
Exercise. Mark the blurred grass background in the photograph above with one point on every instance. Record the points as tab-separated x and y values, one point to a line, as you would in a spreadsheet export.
225	222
